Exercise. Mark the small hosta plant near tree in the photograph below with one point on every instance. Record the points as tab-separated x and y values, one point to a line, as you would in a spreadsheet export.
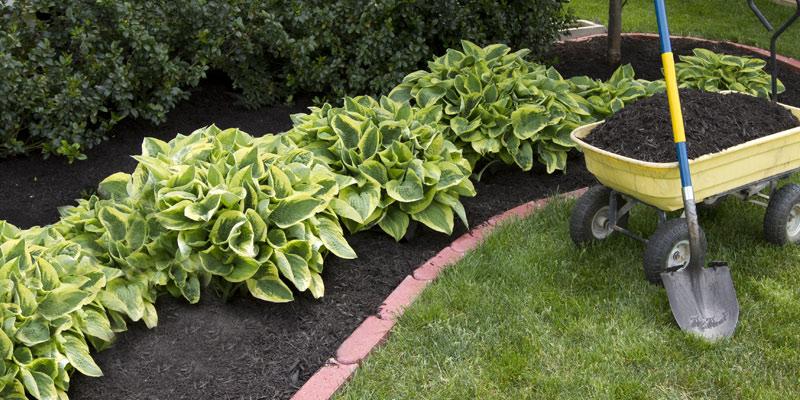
608	97
713	72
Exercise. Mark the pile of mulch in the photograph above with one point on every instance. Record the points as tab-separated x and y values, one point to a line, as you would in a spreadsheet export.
713	122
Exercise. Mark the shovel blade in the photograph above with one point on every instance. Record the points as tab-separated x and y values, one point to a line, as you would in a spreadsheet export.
703	300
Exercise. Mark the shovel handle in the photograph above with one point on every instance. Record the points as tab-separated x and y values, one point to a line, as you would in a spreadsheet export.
678	132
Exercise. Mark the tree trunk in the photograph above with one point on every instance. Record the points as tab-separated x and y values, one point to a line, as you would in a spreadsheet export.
614	32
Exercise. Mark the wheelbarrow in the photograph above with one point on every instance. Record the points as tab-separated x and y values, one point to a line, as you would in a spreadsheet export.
703	300
750	171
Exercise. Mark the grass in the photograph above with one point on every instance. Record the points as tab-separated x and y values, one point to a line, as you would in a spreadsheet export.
526	315
713	19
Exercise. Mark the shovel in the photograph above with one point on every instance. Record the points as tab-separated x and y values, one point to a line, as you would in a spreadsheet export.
703	300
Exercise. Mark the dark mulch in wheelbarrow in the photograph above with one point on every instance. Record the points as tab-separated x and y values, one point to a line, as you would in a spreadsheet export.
588	57
713	121
244	349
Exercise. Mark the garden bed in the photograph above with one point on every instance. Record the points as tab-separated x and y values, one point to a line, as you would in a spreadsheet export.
588	57
248	348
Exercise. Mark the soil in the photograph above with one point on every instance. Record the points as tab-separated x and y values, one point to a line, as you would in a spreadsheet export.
588	57
249	349
713	122
246	348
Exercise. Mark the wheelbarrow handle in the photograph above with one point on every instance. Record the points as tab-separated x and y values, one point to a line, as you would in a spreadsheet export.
759	15
679	134
774	39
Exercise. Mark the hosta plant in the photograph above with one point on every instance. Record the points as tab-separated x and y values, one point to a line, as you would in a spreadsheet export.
608	97
713	72
401	165
223	205
497	105
55	300
114	234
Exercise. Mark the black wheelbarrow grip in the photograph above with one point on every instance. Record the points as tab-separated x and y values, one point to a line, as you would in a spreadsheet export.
774	40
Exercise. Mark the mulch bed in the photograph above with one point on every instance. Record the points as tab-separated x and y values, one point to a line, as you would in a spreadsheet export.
713	122
249	349
588	57
246	348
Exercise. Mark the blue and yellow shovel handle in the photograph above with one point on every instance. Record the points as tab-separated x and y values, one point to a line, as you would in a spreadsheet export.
678	132
679	135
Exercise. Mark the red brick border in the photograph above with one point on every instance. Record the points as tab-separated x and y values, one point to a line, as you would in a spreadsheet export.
375	328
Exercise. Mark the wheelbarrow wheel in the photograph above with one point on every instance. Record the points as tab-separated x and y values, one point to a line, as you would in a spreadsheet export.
589	220
782	219
668	249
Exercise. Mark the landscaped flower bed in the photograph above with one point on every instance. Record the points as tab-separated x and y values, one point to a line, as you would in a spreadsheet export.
354	137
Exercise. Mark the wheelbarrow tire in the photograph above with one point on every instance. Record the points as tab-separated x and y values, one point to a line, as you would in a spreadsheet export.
660	253
585	212
782	219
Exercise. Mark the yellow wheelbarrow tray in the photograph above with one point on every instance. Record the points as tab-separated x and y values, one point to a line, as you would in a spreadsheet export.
747	165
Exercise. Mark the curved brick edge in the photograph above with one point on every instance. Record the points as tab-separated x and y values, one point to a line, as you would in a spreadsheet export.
374	330
788	61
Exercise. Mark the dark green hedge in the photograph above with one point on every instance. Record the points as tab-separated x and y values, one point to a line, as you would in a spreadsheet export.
70	70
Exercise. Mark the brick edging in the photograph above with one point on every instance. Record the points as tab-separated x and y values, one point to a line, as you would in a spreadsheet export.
375	328
788	61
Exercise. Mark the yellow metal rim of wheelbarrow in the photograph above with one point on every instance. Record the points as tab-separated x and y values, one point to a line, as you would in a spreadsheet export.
658	184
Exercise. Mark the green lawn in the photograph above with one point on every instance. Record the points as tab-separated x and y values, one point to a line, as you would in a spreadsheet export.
527	315
713	19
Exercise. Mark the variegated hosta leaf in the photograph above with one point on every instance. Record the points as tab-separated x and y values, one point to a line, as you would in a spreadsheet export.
396	155
219	204
714	72
50	290
496	105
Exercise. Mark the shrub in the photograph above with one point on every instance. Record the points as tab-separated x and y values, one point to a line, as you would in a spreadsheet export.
499	106
55	299
70	70
402	165
351	47
713	72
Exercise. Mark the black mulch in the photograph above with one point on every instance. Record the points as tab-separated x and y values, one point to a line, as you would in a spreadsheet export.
245	349
248	349
588	58
714	122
